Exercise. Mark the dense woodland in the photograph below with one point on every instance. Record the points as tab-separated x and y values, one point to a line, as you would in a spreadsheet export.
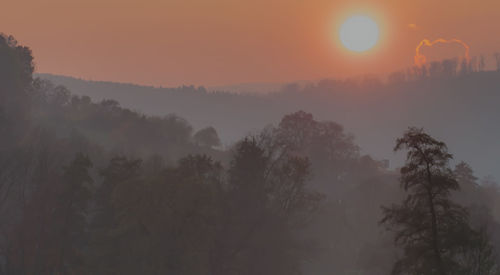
452	100
90	187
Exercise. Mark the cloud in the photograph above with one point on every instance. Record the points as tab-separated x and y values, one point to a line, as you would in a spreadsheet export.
420	59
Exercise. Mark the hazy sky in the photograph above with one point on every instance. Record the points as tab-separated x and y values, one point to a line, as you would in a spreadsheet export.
216	42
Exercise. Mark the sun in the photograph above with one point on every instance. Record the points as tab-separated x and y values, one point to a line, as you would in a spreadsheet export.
359	33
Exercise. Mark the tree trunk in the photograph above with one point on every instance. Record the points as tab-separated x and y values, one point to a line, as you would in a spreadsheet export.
435	241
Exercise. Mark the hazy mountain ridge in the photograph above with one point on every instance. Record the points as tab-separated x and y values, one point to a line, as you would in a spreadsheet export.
457	109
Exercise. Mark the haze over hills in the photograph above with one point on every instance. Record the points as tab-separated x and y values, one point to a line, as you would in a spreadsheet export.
102	177
264	137
455	108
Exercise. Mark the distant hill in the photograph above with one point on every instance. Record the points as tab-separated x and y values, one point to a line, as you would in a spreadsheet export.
461	110
249	88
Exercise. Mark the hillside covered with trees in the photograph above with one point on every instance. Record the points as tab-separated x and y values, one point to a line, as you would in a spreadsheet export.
454	101
88	186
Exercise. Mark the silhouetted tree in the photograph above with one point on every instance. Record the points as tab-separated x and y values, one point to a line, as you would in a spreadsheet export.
331	151
469	192
107	243
478	256
207	137
429	226
482	63
266	196
497	59
71	215
436	69
16	69
450	67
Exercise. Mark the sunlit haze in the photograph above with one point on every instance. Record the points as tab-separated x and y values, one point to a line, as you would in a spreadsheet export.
250	137
221	42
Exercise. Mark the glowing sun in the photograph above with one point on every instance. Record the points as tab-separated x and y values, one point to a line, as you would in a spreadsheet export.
359	33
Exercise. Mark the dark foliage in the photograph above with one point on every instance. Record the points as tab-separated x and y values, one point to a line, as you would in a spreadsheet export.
92	187
432	229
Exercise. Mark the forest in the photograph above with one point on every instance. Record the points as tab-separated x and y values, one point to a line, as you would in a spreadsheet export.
452	101
88	186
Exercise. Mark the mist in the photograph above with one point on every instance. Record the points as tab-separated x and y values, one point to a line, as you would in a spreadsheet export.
337	176
455	106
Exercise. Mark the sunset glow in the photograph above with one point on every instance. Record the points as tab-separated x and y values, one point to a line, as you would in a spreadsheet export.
250	137
221	42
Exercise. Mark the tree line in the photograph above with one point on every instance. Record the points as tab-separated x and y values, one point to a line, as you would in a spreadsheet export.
94	188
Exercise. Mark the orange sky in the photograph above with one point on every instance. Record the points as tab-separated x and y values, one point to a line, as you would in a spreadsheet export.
217	42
